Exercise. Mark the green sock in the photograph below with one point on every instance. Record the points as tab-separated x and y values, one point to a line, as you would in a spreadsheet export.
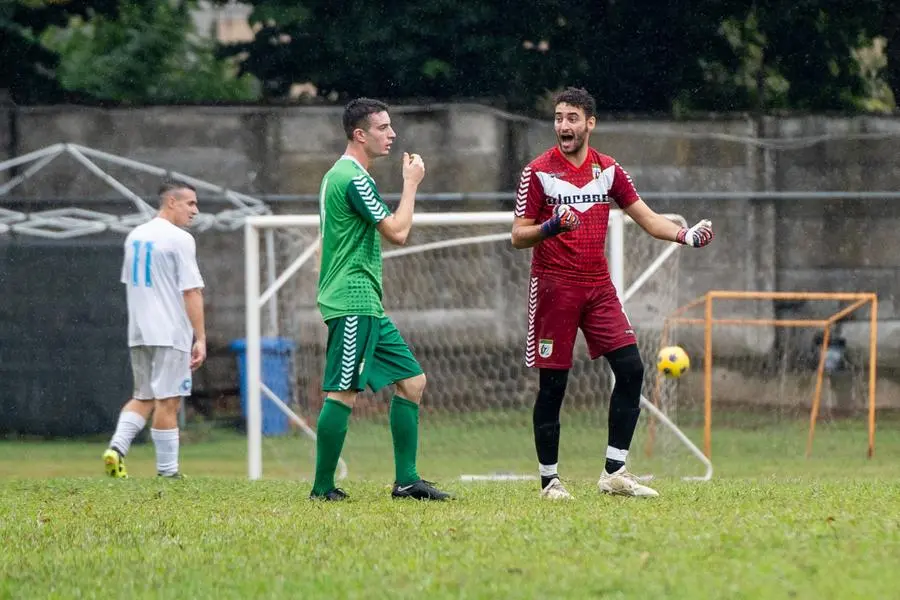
405	431
330	433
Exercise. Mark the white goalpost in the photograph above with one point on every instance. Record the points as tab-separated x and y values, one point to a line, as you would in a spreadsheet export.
455	293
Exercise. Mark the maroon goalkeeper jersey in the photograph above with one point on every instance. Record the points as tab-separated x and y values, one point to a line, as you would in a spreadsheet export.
549	180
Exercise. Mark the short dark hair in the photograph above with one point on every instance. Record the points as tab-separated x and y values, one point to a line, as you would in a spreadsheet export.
579	98
356	114
171	185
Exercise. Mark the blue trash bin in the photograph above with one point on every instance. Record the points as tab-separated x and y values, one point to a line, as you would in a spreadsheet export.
277	355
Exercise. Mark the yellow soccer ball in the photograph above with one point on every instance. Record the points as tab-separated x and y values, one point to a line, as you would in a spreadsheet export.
673	361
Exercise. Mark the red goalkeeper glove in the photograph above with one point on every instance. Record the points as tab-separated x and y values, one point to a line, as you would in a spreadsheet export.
697	236
563	219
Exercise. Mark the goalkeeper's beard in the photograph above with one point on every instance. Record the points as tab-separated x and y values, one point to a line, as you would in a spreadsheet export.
575	145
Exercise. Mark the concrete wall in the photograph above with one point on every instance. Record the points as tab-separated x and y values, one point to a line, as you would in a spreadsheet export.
264	150
762	244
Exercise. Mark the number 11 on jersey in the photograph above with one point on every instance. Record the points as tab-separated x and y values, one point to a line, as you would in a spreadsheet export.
136	264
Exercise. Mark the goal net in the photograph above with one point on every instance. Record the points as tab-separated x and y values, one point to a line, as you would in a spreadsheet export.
785	376
458	293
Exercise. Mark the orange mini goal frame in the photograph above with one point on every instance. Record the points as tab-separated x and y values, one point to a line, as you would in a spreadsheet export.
709	321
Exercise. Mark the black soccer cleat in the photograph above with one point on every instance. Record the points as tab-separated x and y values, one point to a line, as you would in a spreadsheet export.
335	495
419	490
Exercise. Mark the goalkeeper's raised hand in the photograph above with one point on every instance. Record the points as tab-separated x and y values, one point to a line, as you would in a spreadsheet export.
697	236
563	219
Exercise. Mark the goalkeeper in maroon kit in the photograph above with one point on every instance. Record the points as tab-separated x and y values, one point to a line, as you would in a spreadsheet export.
562	210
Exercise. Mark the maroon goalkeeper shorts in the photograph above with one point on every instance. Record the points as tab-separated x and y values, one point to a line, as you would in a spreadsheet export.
557	310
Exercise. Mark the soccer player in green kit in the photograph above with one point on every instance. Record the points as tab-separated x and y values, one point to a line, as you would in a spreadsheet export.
364	347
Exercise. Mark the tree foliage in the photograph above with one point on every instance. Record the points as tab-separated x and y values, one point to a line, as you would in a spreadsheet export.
796	55
123	51
27	68
688	54
682	55
147	53
438	49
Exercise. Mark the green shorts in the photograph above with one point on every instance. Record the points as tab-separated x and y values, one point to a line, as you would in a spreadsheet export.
365	351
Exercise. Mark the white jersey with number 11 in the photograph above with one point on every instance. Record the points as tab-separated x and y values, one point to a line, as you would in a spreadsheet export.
160	265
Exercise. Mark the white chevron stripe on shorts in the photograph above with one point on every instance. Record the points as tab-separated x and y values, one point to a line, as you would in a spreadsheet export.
532	310
348	355
522	192
367	193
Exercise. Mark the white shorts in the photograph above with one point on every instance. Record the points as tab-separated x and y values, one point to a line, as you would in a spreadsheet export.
160	372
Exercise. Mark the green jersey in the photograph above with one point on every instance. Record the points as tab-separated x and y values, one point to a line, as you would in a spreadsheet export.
350	273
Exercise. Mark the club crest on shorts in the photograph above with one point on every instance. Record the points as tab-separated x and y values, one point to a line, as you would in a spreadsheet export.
186	385
545	348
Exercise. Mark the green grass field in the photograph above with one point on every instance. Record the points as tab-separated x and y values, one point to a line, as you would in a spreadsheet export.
771	524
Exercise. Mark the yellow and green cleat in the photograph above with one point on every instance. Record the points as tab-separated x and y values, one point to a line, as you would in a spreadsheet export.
114	463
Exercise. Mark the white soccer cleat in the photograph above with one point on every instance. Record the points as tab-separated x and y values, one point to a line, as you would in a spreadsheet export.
623	483
556	491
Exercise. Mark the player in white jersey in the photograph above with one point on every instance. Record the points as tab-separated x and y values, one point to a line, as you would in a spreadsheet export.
166	330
